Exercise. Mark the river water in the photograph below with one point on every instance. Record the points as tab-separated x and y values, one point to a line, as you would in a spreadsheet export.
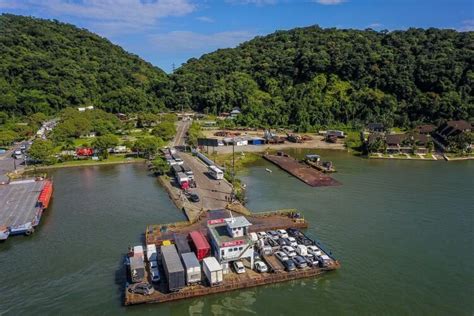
403	231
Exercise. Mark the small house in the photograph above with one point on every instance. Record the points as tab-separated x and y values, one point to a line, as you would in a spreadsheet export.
376	127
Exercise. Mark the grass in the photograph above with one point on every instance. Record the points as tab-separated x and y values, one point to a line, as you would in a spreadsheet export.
242	160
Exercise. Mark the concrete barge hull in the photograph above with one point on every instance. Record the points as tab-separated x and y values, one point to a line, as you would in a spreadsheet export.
308	175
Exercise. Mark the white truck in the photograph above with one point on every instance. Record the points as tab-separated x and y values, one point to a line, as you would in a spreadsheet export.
192	267
213	271
302	250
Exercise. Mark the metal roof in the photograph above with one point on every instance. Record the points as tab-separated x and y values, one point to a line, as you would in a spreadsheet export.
239	221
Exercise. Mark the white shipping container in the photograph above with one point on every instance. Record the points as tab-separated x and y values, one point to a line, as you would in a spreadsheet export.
213	271
192	267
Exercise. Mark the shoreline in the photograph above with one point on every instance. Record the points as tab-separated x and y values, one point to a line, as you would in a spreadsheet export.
86	164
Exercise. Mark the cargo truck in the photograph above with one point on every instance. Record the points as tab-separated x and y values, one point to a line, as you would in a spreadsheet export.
182	244
193	268
137	269
213	271
174	270
200	245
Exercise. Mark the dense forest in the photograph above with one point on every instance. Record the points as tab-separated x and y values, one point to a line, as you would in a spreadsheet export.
47	65
311	76
304	78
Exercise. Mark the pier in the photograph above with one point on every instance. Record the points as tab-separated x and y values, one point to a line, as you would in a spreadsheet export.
308	175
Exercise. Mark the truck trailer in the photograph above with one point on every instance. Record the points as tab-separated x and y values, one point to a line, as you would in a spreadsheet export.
174	270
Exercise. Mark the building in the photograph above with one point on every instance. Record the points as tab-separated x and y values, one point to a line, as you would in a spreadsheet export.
83	109
234	113
425	129
376	127
449	130
230	240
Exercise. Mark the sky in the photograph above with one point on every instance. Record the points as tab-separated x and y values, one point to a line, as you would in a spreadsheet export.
167	33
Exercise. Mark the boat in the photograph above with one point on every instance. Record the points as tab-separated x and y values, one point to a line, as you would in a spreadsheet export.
268	170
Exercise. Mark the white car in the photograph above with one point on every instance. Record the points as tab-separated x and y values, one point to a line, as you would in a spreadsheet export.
261	235
292	241
239	267
314	251
282	233
290	251
155	275
261	267
281	256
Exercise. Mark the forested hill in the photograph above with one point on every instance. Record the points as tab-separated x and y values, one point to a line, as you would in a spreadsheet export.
47	65
311	77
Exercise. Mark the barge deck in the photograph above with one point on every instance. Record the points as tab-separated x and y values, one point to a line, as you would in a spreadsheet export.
22	206
308	175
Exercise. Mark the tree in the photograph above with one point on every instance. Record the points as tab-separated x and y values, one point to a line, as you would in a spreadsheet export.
103	143
7	137
160	165
148	146
165	130
41	151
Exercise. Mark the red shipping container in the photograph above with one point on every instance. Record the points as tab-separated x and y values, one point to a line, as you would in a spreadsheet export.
200	245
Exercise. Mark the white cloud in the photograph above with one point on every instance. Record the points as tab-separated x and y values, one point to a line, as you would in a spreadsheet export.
111	13
375	25
330	2
467	26
186	41
205	19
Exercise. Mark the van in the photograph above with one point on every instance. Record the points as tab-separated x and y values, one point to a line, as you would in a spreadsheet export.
302	250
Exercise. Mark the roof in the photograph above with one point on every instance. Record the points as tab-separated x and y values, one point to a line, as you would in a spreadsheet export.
171	257
239	221
199	240
395	138
190	260
421	138
212	264
460	125
375	126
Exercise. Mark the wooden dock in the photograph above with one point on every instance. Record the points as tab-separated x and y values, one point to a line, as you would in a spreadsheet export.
308	175
232	281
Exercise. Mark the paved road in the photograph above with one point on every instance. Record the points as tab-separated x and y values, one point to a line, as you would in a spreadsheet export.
8	163
212	192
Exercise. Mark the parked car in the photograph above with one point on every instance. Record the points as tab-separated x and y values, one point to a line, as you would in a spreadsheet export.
281	256
141	288
282	233
153	264
289	265
300	262
193	197
239	267
155	275
302	250
273	234
312	261
314	251
283	242
292	241
261	235
272	242
261	267
290	251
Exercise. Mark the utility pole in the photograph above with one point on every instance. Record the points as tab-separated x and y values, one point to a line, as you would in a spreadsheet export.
233	169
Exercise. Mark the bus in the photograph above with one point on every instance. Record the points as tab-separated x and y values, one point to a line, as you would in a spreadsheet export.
215	172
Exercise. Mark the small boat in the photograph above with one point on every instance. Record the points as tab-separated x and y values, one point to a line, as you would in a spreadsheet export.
268	170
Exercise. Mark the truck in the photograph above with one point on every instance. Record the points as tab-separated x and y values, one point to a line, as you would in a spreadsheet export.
200	245
273	263
182	244
183	180
174	270
137	269
193	268
213	271
176	169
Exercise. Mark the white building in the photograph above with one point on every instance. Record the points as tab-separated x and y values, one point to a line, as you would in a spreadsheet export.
230	239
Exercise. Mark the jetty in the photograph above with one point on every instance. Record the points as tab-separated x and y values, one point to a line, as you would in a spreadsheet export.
307	174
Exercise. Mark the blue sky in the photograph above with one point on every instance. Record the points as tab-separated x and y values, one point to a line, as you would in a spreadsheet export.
167	32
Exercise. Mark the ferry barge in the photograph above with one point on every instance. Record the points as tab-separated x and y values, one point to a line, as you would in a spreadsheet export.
23	203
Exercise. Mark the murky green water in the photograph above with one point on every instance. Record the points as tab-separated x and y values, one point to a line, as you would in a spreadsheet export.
402	230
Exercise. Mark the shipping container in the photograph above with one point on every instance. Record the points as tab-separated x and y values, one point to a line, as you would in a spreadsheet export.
200	245
193	268
182	244
213	271
174	270
137	269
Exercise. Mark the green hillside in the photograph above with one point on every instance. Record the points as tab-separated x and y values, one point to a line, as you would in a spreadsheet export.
311	77
47	65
